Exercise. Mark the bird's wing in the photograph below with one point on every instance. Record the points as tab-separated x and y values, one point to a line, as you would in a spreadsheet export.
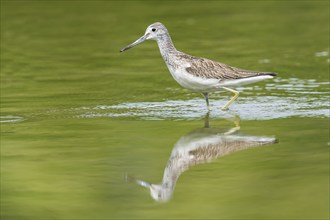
206	68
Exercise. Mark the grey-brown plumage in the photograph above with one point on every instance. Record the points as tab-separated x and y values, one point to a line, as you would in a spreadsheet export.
210	69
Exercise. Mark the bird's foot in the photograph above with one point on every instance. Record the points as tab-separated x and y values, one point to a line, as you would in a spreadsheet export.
232	130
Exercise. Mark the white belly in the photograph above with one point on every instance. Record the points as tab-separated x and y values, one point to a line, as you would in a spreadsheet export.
194	83
199	84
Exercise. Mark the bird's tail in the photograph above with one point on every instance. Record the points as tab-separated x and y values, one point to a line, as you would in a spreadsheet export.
268	74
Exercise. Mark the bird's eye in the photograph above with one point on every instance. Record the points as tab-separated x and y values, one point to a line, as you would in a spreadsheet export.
153	30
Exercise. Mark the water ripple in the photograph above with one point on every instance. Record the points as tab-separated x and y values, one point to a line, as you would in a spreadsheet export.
11	119
248	108
282	98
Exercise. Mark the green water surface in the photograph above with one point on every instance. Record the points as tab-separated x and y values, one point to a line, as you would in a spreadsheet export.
80	122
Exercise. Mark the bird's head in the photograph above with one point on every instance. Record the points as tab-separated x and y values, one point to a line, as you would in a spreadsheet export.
154	31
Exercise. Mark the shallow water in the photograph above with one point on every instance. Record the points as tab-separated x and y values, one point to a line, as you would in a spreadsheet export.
91	133
302	98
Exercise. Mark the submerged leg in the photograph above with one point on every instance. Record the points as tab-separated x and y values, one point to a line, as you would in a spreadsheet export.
236	119
206	95
225	107
206	120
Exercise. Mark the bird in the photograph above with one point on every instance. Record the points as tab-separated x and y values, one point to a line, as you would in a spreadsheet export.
200	146
196	73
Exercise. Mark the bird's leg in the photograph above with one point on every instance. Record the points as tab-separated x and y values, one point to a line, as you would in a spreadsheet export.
206	120
225	107
236	119
206	95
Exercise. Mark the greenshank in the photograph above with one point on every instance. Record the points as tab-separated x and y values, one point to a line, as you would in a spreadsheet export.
199	74
200	146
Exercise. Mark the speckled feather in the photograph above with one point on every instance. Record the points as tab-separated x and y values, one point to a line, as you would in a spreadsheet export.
209	69
198	66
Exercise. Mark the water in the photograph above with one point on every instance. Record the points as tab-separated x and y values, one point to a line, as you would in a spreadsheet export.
86	130
304	98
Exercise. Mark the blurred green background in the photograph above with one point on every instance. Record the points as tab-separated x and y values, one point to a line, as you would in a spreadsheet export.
60	60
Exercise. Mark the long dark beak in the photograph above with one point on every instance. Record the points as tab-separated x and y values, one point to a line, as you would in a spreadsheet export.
138	41
137	181
143	183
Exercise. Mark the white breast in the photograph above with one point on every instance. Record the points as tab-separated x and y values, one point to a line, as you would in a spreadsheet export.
191	82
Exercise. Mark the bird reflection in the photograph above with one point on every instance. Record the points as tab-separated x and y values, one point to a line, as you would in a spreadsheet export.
197	147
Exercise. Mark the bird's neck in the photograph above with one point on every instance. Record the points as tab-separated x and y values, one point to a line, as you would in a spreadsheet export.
166	47
176	165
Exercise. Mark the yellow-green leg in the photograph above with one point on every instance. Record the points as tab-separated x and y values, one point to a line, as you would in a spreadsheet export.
225	107
236	119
